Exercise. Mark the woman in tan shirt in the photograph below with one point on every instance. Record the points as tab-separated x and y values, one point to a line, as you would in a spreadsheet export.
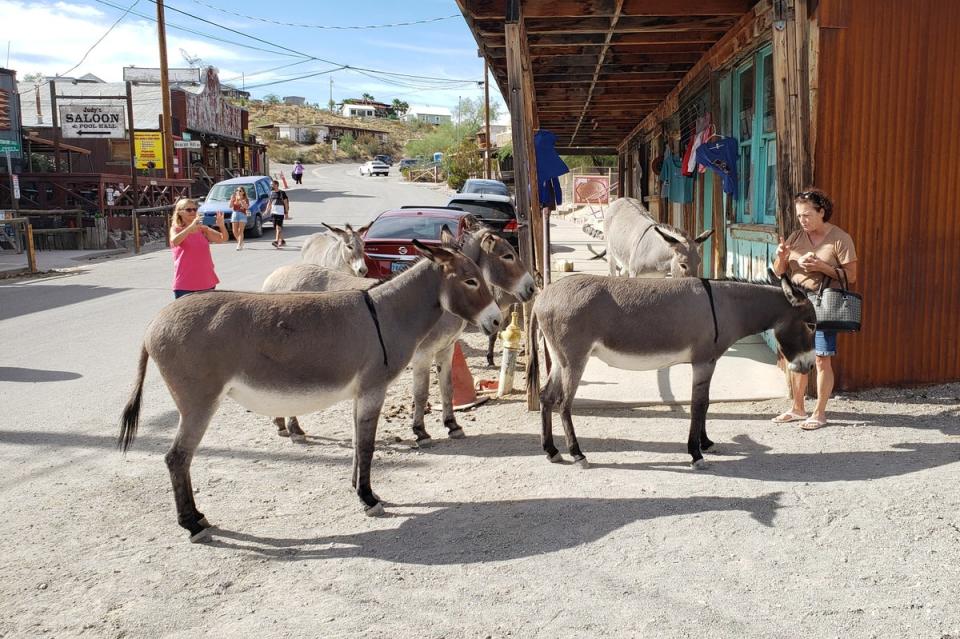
816	251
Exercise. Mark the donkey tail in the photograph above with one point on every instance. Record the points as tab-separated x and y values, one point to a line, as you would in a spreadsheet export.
534	355
597	256
130	420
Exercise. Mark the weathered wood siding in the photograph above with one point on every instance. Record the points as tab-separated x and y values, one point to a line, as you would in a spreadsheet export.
887	133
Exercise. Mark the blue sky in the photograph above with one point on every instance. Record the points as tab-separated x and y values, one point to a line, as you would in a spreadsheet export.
443	49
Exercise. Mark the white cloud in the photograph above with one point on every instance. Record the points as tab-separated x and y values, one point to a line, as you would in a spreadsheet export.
70	28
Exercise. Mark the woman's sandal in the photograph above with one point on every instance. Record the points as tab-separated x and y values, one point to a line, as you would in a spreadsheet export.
812	423
787	417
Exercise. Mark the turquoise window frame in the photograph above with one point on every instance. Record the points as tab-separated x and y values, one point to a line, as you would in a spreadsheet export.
761	147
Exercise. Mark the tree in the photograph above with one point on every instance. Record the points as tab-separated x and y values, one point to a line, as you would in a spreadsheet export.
331	105
471	115
367	98
271	98
400	107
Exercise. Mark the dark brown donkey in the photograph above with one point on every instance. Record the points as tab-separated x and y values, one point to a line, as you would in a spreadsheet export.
646	324
293	357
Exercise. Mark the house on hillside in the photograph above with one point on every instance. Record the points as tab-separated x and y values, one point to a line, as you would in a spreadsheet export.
352	108
299	133
428	114
294	100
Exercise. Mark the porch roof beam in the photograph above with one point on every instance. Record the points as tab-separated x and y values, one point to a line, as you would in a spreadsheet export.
610	8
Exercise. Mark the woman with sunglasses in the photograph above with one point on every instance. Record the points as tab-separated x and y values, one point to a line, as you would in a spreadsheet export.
239	204
817	250
190	242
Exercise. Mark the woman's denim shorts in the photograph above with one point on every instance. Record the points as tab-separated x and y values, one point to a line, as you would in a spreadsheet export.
825	343
238	216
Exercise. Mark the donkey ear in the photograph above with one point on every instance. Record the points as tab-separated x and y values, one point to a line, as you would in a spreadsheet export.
795	295
700	239
434	253
472	223
488	243
363	229
339	232
669	238
447	238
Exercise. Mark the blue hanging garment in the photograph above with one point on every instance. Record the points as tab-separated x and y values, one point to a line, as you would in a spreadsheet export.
549	167
721	156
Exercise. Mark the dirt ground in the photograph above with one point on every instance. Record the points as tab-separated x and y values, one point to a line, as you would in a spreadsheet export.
849	531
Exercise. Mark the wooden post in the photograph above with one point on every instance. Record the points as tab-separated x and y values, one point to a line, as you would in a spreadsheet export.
55	119
167	133
134	187
31	252
486	110
136	231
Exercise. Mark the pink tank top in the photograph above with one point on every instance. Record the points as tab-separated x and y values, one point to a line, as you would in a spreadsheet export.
193	264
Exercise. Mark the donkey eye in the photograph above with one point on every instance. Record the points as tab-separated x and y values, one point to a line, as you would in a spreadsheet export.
472	283
508	257
811	326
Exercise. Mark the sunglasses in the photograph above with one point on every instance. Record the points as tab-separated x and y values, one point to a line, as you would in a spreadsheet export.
811	196
190	209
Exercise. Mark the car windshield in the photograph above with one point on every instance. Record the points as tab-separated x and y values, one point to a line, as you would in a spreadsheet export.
222	192
488	210
494	188
413	228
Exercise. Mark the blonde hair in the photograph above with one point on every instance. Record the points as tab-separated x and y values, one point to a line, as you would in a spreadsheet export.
177	220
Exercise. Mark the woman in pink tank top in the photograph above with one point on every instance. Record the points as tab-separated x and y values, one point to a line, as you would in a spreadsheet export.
190	243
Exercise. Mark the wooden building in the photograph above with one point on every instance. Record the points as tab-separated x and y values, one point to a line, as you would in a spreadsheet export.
856	97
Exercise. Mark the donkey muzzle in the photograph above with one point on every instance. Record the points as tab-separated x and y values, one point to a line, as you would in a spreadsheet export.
489	319
803	363
525	289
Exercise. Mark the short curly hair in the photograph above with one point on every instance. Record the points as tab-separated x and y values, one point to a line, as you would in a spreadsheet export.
818	199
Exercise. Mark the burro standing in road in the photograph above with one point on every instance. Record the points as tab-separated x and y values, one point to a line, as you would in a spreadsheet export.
336	249
640	246
291	357
646	324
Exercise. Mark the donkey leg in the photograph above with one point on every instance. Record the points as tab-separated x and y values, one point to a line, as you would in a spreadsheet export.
293	428
549	397
444	360
281	427
367	408
571	380
193	424
491	345
700	396
421	392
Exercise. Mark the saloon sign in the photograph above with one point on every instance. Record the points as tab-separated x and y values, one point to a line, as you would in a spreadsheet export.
87	122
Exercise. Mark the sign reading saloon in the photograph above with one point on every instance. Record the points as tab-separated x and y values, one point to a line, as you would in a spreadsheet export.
85	122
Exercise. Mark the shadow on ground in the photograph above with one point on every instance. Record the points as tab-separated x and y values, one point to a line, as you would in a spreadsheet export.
17	374
46	296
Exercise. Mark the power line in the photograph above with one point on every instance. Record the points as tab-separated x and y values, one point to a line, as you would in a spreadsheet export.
324	26
302	77
106	33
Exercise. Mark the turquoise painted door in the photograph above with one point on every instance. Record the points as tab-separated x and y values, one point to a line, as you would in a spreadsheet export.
706	223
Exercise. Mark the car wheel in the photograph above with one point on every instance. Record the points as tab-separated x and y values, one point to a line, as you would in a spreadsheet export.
257	229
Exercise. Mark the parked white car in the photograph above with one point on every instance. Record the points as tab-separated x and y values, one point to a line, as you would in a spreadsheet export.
374	167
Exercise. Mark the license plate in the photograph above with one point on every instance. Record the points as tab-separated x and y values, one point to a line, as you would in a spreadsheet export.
396	267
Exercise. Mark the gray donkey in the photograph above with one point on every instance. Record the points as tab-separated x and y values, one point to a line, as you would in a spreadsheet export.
292	357
339	250
501	268
641	247
646	324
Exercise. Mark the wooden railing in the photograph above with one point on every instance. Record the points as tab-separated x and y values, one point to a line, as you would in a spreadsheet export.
96	192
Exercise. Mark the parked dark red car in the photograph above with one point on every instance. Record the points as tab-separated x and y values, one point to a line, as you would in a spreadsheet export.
388	242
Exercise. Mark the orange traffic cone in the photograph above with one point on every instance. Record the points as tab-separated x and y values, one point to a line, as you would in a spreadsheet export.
283	178
464	393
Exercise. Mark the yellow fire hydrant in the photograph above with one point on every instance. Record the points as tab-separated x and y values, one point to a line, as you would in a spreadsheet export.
512	338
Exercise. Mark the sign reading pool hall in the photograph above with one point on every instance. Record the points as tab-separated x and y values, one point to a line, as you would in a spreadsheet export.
92	121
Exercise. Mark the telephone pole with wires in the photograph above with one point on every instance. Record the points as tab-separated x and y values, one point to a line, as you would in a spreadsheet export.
167	132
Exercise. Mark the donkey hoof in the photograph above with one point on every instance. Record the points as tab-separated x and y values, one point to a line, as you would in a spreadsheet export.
200	537
283	432
424	442
374	511
707	445
203	522
582	463
456	433
555	458
298	438
698	464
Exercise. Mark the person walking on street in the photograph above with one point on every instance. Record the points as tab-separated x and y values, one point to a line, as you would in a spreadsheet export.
239	204
298	172
279	209
190	242
816	251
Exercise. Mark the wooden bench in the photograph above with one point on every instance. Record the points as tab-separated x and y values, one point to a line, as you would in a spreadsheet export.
46	239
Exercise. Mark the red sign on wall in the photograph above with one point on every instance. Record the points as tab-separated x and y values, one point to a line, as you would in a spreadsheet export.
591	189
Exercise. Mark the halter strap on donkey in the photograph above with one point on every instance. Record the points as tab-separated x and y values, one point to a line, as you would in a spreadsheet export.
713	309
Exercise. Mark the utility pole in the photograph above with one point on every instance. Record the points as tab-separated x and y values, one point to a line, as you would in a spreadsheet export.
486	110
167	132
331	94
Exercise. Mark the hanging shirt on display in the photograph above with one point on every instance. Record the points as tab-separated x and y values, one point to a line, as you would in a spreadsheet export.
721	155
680	190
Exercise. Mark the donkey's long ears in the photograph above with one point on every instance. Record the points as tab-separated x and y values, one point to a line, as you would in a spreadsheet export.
447	238
700	239
669	238
472	223
434	253
339	232
795	295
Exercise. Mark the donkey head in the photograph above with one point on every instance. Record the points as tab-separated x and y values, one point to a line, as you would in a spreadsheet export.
498	261
463	291
685	261
795	328
350	249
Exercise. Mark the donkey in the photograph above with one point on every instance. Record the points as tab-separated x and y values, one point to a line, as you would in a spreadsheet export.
646	324
501	268
632	248
292	357
340	250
